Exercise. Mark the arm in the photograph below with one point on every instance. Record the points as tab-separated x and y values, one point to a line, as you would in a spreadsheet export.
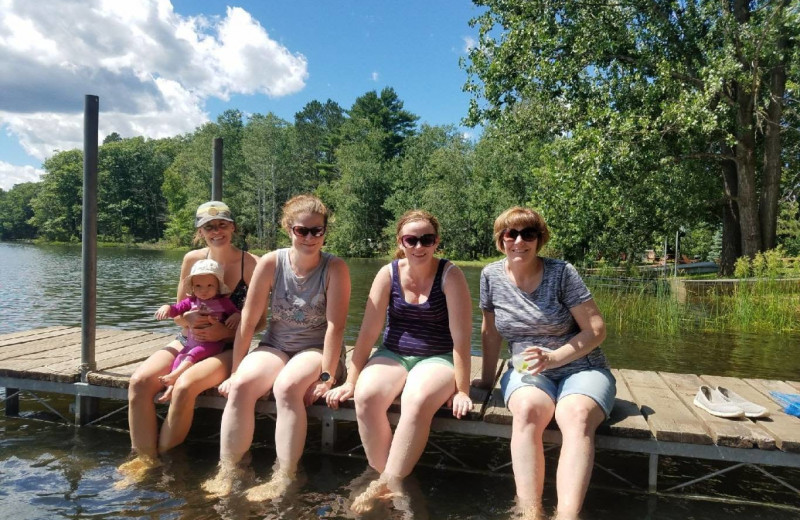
371	326
591	335
254	309
459	310
490	345
338	301
250	263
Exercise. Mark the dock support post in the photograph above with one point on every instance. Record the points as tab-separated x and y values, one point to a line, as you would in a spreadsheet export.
91	110
12	402
652	474
216	173
328	432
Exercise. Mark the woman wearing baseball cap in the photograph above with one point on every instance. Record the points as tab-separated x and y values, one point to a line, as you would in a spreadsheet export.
215	228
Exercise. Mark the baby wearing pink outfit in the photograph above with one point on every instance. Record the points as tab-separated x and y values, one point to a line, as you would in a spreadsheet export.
206	289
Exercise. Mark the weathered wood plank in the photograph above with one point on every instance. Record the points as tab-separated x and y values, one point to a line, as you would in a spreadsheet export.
795	384
72	340
626	418
669	419
10	346
19	336
736	433
785	428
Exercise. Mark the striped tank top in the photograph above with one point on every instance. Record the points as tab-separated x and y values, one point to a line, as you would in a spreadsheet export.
418	329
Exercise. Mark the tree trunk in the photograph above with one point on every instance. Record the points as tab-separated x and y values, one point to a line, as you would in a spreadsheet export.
731	237
771	176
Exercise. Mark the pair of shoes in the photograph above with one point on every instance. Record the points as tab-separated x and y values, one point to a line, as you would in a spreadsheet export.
723	402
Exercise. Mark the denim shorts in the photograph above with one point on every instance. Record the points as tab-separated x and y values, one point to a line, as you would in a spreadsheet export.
409	362
596	383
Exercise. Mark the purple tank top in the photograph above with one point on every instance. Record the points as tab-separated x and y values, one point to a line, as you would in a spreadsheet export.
418	329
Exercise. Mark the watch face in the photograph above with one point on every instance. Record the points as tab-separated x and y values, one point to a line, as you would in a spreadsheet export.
324	377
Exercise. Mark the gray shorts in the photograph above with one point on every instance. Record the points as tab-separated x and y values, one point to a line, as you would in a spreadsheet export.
596	383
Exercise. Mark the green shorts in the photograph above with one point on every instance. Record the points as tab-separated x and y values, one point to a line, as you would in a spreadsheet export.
409	362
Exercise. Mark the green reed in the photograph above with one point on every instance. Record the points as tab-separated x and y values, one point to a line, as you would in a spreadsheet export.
763	305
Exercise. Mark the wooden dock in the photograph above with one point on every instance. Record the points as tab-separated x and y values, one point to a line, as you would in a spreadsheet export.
653	413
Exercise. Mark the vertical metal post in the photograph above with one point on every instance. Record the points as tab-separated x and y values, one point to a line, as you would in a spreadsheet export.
652	474
328	432
216	177
85	406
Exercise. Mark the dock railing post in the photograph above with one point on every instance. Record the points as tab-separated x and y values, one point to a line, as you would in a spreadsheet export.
86	407
216	174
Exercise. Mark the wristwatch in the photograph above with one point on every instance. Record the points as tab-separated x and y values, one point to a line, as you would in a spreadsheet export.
325	377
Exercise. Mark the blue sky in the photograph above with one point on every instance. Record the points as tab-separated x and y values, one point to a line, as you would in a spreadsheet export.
162	68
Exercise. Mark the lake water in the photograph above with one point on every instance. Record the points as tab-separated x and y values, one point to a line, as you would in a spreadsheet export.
48	470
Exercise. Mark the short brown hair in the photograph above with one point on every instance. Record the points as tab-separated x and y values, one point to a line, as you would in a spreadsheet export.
300	204
413	215
519	217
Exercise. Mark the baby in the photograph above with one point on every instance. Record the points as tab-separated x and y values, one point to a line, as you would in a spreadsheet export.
205	287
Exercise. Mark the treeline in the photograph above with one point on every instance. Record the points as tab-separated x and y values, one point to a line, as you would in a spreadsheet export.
371	163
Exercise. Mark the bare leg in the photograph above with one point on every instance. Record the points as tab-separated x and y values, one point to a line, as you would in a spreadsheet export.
532	410
169	379
379	384
254	378
301	372
196	379
578	417
144	385
427	388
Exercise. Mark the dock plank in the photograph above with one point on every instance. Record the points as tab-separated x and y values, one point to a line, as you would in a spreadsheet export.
795	384
50	344
626	418
784	427
669	419
18	336
736	433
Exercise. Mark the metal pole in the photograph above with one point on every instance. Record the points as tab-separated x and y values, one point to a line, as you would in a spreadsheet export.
216	177
91	110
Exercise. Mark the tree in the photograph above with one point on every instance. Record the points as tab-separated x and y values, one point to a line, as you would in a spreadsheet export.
317	129
16	211
705	80
384	113
57	205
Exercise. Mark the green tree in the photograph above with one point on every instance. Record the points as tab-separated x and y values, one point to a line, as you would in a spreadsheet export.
317	128
16	211
384	113
57	205
706	81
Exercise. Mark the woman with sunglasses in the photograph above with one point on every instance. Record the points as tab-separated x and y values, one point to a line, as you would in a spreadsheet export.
299	357
545	312
425	356
215	228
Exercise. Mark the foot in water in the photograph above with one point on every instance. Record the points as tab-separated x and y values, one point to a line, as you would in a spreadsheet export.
135	470
366	501
221	484
276	487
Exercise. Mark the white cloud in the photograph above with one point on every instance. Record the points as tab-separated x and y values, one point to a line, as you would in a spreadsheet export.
11	174
152	68
469	43
374	76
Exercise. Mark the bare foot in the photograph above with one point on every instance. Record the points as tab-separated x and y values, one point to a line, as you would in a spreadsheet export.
169	379
532	512
135	470
365	502
221	484
274	488
166	396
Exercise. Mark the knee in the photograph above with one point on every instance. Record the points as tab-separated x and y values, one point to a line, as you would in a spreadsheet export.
415	405
184	392
368	402
141	387
532	413
579	417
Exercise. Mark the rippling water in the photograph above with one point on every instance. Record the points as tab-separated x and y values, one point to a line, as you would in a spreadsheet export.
49	470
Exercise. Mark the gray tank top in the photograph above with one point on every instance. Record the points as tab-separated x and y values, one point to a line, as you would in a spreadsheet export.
297	316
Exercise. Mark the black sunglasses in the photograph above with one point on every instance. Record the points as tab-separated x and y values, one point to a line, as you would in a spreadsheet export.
426	240
303	231
528	234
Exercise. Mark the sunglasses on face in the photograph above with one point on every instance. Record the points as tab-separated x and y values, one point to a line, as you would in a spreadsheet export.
302	231
426	240
528	234
222	226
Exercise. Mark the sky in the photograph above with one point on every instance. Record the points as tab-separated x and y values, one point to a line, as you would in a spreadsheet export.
162	68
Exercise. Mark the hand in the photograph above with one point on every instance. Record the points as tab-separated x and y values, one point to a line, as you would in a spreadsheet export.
224	387
315	391
233	321
340	394
538	359
162	313
196	319
214	331
461	404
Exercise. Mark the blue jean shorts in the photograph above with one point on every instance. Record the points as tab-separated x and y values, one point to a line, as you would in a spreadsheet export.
596	383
